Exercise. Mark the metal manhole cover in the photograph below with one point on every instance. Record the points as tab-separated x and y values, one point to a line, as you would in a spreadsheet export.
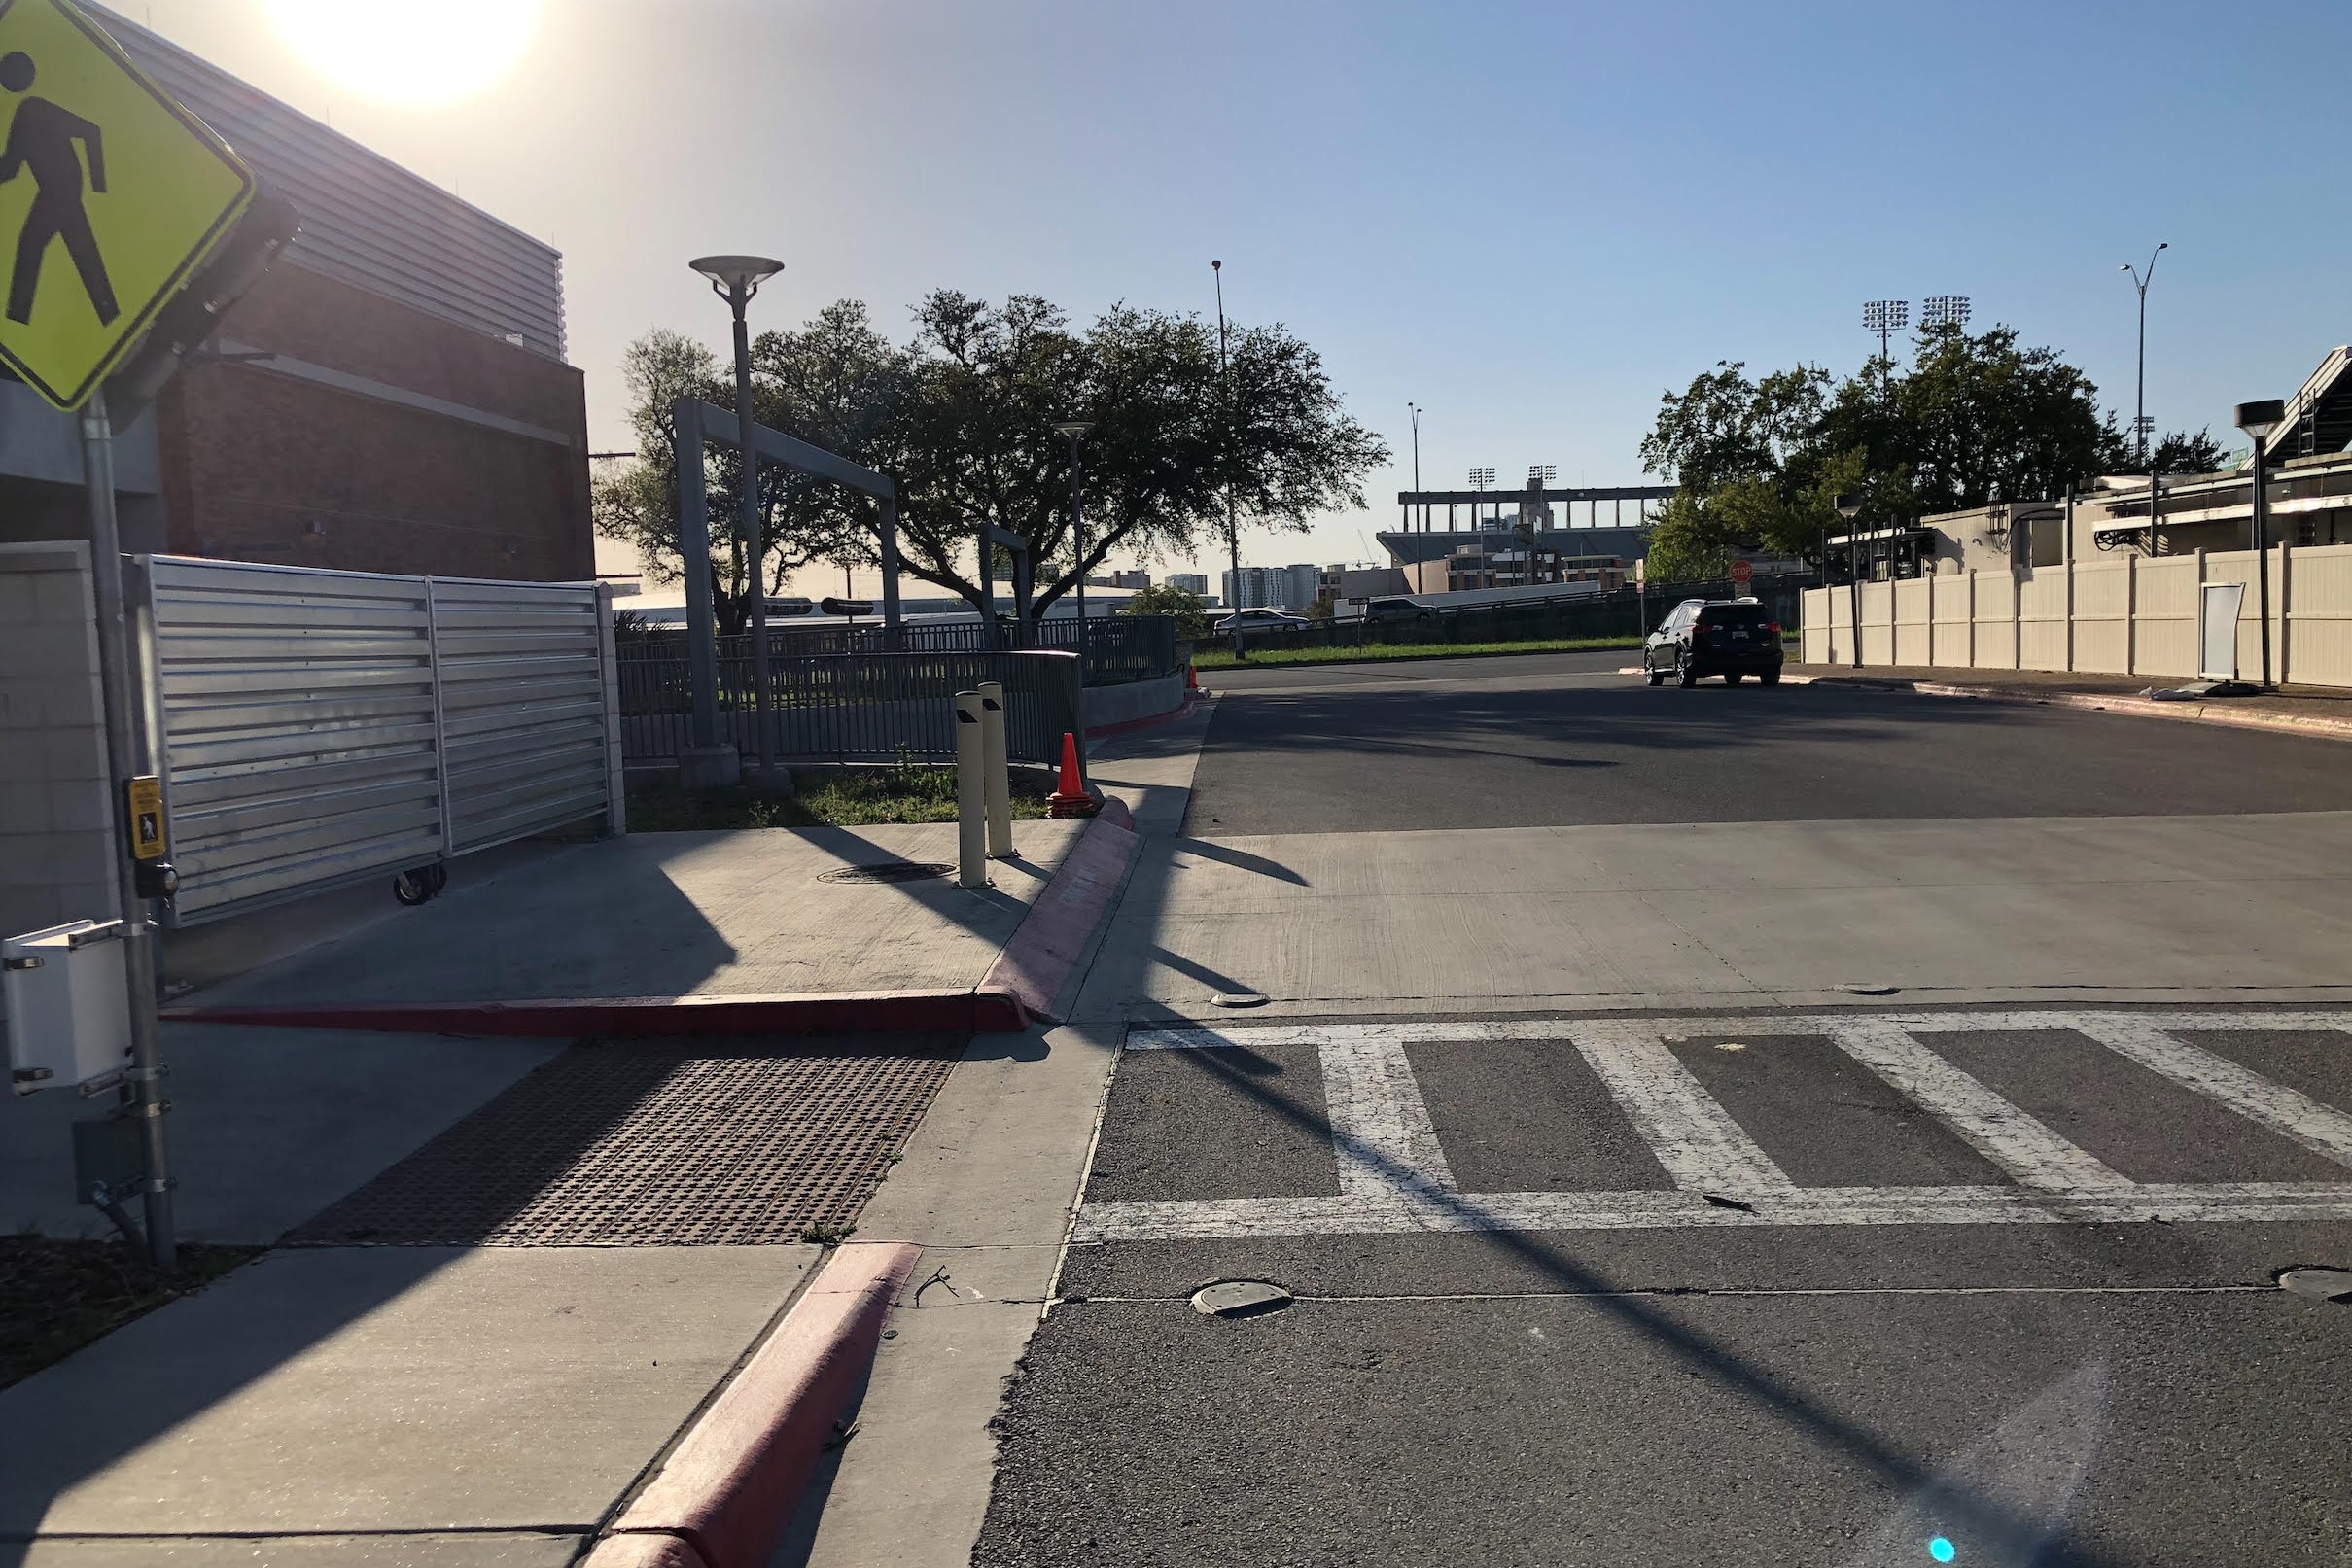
660	1143
889	871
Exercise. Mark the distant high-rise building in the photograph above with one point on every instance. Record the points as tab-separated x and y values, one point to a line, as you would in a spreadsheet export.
1138	579
1192	582
1274	587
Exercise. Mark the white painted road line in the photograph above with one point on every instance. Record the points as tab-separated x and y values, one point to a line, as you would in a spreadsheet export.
1473	1030
1692	1135
1274	1218
1380	1124
2018	1143
2289	1112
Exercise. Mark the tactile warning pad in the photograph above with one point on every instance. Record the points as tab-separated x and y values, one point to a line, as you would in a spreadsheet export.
695	1142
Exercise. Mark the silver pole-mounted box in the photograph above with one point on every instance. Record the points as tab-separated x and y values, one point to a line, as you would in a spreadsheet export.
68	1006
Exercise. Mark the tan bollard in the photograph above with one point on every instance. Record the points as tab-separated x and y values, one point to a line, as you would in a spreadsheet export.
971	793
998	776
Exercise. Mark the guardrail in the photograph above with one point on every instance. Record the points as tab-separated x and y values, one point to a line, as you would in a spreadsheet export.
851	706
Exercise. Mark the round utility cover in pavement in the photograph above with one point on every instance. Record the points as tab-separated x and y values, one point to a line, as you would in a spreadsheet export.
2320	1284
1237	998
1868	987
1240	1298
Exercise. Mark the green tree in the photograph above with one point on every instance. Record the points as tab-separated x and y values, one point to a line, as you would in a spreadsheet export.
1166	599
1975	419
963	418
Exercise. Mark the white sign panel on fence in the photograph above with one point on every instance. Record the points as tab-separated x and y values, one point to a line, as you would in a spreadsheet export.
2217	631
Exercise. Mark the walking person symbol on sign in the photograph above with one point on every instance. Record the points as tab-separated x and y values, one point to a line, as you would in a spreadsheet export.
113	195
42	140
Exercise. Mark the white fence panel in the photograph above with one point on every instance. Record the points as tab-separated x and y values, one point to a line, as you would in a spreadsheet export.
1912	602
1814	630
2319	617
1877	623
1949	641
2165	616
2102	616
1996	620
2042	620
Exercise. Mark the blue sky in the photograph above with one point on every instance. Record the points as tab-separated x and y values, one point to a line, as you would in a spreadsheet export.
1530	219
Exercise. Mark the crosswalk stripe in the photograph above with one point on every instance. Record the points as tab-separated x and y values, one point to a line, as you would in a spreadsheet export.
2288	1112
1693	1137
2009	1137
1380	1124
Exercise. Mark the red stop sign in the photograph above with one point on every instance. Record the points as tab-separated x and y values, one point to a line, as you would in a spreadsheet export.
1741	571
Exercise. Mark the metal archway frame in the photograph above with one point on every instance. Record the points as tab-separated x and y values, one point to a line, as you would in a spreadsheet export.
699	423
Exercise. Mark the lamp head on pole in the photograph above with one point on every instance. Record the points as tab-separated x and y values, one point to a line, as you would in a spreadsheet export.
1850	505
736	278
2261	417
1074	429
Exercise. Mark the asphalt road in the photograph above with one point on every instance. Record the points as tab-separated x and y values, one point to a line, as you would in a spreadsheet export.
1846	1289
1553	740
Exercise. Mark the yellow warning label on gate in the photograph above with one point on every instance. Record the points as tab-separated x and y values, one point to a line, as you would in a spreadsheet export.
110	195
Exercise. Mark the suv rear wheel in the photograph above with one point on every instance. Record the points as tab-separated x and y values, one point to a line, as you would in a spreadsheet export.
1685	673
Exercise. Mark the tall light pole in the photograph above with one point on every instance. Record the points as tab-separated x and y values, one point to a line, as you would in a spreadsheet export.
2258	420
2140	281
1415	410
735	279
1233	532
1074	430
1885	317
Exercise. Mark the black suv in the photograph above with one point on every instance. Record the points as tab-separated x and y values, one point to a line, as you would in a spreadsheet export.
1726	637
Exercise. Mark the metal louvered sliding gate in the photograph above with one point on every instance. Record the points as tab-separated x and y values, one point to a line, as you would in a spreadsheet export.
315	727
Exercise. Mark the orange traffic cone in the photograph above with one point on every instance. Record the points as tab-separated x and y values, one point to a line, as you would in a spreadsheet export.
1192	678
1070	797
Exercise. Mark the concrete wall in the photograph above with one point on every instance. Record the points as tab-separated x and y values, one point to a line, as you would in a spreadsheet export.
2125	616
1136	699
57	820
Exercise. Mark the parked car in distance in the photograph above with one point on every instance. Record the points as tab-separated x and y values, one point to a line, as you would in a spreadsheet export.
1733	638
1259	620
1397	607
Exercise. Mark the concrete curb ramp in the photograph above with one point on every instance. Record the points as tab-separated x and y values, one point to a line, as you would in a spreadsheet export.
1039	960
724	1494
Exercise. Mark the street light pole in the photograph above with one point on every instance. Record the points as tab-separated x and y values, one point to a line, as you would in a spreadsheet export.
1075	431
2258	419
1233	532
736	279
1416	411
2139	408
1849	507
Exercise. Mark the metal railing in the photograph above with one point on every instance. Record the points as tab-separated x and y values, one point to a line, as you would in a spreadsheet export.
853	707
1119	648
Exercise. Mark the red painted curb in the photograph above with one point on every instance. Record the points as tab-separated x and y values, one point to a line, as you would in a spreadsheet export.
730	1485
642	1552
979	1011
1037	961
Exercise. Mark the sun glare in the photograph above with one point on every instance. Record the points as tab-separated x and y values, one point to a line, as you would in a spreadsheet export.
411	51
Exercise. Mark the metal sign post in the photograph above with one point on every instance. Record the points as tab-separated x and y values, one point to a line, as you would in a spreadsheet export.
137	832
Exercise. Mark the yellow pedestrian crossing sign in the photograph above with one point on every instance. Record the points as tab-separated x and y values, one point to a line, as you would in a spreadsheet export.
110	195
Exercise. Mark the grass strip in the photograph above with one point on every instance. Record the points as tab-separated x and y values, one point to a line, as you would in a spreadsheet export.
837	797
58	1295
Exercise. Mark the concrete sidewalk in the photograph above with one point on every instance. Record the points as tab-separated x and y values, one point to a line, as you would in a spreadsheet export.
663	915
2322	710
394	1405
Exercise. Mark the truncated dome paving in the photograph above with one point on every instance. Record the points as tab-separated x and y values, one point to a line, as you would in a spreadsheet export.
660	1143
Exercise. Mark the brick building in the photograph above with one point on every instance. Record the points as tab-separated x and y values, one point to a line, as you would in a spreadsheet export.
392	397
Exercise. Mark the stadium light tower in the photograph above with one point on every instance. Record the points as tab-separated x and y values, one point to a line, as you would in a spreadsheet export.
1885	317
1542	473
1944	310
